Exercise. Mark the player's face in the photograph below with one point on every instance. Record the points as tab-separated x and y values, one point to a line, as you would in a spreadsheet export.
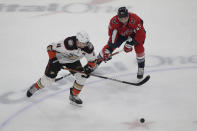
81	45
124	20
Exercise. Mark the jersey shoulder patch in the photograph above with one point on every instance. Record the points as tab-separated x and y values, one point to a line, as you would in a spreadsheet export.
114	20
134	18
132	21
70	43
89	48
114	23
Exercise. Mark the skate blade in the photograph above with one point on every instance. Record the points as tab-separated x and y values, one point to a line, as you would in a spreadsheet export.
75	104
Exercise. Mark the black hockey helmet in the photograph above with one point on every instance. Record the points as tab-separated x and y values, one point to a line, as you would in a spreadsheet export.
122	12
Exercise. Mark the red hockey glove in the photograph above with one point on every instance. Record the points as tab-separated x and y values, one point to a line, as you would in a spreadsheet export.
128	48
106	55
131	41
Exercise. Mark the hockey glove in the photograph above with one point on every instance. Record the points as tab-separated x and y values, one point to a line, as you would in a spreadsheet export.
128	45
131	41
128	48
89	68
106	55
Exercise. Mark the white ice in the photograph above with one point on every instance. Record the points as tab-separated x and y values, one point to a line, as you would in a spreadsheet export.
168	101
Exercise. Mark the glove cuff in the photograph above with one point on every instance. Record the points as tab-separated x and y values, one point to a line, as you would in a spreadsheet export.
51	54
92	64
128	45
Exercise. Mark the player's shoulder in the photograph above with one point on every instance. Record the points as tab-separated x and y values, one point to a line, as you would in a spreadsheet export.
134	18
114	20
70	43
89	48
134	15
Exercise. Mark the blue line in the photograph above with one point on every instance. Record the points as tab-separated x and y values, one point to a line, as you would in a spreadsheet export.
6	122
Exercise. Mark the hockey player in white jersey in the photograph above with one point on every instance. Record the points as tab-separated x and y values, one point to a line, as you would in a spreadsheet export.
68	53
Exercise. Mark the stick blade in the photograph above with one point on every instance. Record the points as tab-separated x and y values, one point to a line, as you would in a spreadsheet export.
143	81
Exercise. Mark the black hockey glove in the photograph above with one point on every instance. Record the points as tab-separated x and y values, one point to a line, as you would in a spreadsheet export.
88	69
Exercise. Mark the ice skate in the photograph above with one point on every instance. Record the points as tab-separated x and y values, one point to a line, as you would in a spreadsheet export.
31	90
74	99
140	73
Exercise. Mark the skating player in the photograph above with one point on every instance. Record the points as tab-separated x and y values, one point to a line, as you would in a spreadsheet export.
126	27
68	53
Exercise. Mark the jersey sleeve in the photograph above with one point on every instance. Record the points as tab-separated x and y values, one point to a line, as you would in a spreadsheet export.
112	33
139	30
58	47
140	35
113	25
91	57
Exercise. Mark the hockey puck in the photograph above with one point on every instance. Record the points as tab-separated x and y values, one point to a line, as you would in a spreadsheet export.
142	120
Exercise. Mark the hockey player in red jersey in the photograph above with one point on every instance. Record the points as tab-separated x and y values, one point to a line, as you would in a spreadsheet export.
126	27
68	53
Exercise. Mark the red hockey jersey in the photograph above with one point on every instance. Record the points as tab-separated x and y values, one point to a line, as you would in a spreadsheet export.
134	28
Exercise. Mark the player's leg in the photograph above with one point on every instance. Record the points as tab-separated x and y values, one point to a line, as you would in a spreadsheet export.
140	56
78	83
141	65
48	78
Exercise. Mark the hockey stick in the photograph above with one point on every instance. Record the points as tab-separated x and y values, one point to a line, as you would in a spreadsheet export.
130	83
104	77
115	53
99	60
57	79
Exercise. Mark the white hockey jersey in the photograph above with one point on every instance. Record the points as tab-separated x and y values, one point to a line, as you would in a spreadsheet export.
68	52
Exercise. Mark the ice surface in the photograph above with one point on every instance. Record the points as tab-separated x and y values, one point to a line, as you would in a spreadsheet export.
168	101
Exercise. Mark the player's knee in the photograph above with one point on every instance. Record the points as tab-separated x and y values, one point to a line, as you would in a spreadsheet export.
140	56
79	78
51	74
45	81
